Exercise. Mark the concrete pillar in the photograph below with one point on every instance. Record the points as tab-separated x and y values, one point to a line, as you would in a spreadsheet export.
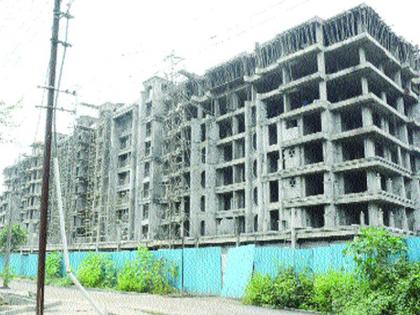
373	212
210	192
249	216
397	78
404	220
362	55
391	219
367	117
369	147
373	182
196	191
365	86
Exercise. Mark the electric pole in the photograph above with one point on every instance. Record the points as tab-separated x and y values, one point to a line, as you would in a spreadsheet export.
43	226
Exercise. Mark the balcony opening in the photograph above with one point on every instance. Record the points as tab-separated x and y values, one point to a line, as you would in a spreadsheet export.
203	135
269	82
227	152
376	119
315	216
274	106
341	59
351	120
350	213
355	182
313	152
314	184
343	89
304	67
353	149
304	97
312	123
379	150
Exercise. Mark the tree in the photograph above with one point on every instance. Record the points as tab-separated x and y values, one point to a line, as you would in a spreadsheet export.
18	237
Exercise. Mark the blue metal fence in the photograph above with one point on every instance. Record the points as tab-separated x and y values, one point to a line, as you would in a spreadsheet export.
200	269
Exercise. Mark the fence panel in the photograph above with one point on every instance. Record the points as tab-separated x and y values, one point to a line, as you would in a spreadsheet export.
240	263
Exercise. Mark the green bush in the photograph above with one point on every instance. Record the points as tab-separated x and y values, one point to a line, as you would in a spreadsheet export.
286	289
53	265
384	282
333	290
145	274
260	291
97	270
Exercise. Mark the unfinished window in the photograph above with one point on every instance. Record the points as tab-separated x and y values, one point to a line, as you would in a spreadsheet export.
255	195
223	105
314	184
305	66
144	231
274	191
272	134
148	108
274	106
315	216
125	142
203	155
273	158
146	169
291	123
394	155
253	116
376	119
274	220
241	123
379	149
225	128
313	152
146	190
145	212
227	152
239	173
355	182
240	199
239	148
254	141
203	132
203	179
292	182
240	224
202	228
254	169
203	203
351	120
147	148
225	201
353	149
148	129
123	178
312	123
256	223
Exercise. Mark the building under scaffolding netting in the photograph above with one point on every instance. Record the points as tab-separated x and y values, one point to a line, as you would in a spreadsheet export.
307	138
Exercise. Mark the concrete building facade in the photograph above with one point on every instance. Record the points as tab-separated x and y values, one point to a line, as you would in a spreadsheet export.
312	135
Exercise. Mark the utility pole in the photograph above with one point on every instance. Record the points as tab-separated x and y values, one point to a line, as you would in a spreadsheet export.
43	226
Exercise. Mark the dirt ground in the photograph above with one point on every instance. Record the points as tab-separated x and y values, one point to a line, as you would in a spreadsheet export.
72	302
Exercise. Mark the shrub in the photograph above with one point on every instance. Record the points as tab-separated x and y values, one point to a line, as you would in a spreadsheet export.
286	289
333	290
260	291
145	274
53	265
97	270
378	255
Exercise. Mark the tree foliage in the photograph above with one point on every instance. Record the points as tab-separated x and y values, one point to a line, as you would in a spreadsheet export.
18	238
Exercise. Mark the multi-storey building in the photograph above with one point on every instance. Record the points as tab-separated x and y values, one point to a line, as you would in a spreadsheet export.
310	136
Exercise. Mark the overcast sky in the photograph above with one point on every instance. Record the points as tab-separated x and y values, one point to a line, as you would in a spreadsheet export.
117	44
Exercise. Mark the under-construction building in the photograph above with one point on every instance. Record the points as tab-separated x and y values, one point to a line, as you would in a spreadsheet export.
310	136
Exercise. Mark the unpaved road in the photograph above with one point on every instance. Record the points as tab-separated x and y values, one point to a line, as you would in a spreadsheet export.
72	302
